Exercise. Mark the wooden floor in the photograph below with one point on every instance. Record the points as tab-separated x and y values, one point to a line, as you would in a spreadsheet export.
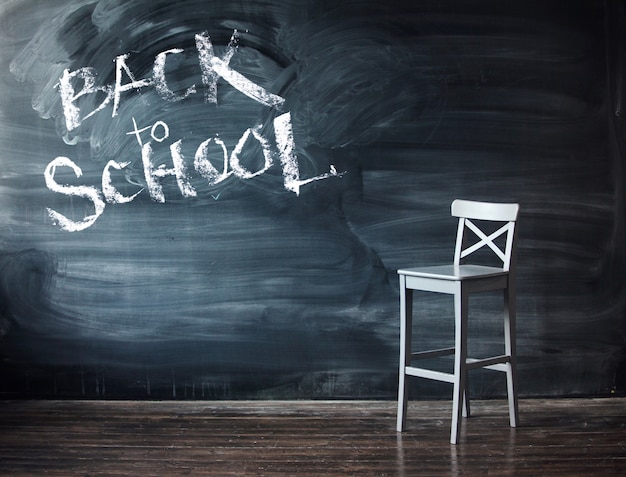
573	437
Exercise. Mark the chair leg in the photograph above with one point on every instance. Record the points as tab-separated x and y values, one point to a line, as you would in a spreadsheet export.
402	403
466	399
460	360
406	319
510	350
513	408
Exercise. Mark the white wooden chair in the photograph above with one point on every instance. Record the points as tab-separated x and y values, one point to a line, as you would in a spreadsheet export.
461	279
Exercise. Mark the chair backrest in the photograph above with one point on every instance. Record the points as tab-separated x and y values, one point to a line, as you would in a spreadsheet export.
469	212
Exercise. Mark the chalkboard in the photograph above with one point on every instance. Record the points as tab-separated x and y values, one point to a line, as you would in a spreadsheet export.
210	199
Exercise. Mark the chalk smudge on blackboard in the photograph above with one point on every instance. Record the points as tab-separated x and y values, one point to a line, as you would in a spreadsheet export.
247	289
212	68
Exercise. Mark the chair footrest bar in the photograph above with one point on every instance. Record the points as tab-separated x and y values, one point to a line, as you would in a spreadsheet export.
432	353
429	374
491	363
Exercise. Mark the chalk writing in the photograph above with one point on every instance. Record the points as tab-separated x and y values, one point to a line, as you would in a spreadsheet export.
212	68
153	174
87	192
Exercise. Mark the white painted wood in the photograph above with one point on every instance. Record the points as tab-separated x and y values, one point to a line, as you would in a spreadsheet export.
472	209
454	272
461	279
432	354
406	305
430	374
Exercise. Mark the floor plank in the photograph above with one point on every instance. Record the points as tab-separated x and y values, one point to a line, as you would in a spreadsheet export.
568	437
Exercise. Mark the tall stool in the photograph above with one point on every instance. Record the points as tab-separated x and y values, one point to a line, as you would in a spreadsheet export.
461	279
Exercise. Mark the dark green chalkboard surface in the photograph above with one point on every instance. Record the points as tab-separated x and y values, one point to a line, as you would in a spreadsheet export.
210	199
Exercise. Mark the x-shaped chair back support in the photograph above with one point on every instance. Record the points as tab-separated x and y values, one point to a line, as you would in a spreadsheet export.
467	211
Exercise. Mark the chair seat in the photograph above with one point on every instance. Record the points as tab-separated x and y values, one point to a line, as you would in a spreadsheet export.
454	272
